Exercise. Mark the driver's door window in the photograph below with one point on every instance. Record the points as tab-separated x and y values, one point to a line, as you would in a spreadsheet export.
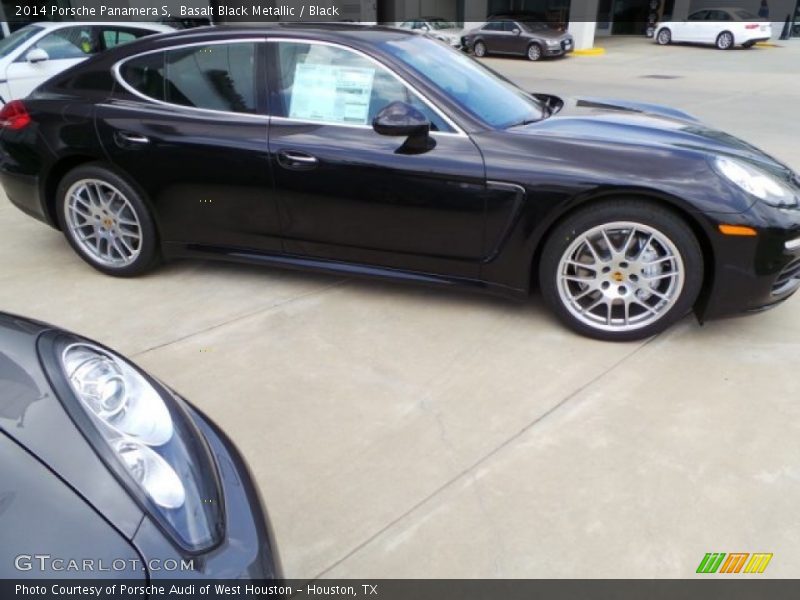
334	85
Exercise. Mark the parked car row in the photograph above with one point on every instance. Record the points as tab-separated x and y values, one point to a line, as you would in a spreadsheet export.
529	35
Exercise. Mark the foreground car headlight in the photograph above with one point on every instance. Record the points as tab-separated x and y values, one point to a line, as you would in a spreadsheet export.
553	42
756	182
143	433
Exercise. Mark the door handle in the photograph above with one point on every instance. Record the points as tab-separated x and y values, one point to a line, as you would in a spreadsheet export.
131	138
289	159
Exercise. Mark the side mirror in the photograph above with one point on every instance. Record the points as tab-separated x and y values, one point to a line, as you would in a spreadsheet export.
401	119
37	55
515	31
425	28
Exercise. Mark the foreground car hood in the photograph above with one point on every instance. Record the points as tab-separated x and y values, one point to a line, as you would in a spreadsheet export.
623	122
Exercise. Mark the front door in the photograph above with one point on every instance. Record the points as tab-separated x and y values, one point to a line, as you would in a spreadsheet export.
188	128
347	193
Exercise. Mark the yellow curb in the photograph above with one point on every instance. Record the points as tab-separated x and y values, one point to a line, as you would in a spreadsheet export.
589	52
767	45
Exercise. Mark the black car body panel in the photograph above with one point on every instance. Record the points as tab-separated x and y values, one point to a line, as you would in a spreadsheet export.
96	517
474	210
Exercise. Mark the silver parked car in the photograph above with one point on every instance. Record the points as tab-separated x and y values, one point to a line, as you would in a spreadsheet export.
531	39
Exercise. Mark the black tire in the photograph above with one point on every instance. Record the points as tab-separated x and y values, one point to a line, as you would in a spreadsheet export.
748	44
641	212
725	41
479	49
664	36
148	247
534	52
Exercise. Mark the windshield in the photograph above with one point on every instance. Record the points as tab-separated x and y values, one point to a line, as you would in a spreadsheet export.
442	24
479	90
16	39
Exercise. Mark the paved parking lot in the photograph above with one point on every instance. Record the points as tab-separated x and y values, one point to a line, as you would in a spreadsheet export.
403	432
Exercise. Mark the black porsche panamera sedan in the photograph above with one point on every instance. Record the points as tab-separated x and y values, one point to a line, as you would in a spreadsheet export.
106	472
374	151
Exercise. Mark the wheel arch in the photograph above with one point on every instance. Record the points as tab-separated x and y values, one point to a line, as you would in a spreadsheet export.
54	176
674	205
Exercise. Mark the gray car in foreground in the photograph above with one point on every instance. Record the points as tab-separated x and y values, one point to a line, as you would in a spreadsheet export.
506	36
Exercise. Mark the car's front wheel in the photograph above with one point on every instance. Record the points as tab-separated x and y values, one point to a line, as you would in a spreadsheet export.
664	36
479	49
534	52
621	270
725	40
106	221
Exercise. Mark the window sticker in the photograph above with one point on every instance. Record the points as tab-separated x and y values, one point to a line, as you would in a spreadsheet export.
331	93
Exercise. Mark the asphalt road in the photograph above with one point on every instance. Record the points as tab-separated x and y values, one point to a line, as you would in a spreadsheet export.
403	432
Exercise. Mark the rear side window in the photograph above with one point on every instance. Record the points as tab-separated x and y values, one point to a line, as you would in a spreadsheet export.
113	36
213	77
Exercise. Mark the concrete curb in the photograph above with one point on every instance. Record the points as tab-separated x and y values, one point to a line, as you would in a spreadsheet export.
589	52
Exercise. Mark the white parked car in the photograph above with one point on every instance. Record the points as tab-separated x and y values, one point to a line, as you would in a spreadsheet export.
33	54
722	27
440	28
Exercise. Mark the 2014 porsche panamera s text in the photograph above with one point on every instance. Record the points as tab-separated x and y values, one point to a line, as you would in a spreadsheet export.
373	151
105	472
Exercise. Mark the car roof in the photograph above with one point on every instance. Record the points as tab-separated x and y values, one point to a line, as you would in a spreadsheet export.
48	25
330	31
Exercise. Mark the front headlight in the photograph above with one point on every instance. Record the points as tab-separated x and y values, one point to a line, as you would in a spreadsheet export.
143	433
553	42
756	182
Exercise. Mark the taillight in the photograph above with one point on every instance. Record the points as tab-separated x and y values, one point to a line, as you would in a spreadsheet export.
14	115
752	26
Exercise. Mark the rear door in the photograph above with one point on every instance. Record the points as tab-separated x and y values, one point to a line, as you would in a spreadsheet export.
689	30
188	126
65	47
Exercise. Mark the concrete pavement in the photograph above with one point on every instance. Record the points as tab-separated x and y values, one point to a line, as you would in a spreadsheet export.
403	432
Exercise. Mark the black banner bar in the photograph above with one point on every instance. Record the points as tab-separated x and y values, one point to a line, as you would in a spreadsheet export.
714	587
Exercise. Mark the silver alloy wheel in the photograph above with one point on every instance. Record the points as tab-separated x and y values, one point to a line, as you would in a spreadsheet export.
103	222
664	37
480	49
620	276
534	52
724	41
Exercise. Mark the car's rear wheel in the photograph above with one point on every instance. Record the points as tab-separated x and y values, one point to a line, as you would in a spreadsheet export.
106	221
725	40
621	270
664	36
534	52
479	49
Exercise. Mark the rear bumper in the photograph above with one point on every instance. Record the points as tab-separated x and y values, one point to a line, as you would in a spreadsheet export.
23	192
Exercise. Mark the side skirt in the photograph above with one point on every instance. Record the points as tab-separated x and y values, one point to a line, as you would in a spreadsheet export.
300	263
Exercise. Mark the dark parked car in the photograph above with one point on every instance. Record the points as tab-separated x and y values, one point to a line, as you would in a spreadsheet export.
376	151
104	471
506	36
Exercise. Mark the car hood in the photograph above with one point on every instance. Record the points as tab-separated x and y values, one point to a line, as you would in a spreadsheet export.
623	122
549	34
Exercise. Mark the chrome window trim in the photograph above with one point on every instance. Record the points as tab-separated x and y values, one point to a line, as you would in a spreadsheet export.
457	131
115	69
